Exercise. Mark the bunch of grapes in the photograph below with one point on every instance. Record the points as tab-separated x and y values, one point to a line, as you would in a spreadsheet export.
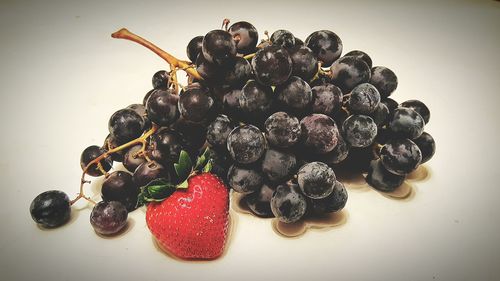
279	116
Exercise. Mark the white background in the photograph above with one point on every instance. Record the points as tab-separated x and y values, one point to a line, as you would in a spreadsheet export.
62	76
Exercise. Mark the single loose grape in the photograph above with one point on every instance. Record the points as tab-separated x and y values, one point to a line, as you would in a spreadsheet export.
51	209
108	218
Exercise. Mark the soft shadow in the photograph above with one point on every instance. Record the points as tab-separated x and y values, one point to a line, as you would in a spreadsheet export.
73	217
422	173
297	229
405	192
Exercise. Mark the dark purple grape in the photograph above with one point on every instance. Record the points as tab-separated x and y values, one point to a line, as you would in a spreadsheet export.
427	146
51	209
400	156
272	65
146	97
218	131
131	160
283	38
119	186
326	45
231	103
334	202
256	99
196	105
245	36
384	80
89	154
282	130
305	63
218	47
298	42
406	123
340	116
320	79
380	115
162	107
358	159
364	99
193	134
326	99
148	171
383	135
210	72
339	152
419	107
193	48
381	179
359	130
244	180
391	104
168	144
259	202
288	204
125	125
239	73
221	161
319	133
110	143
108	218
278	165
161	79
316	180
295	95
141	110
348	72
360	55
246	144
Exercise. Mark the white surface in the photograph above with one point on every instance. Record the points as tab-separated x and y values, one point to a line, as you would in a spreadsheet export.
62	76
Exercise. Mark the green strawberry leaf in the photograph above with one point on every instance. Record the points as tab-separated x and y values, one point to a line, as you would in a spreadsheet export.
155	191
202	159
184	166
208	166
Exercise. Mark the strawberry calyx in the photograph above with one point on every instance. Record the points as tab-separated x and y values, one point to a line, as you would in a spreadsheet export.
159	189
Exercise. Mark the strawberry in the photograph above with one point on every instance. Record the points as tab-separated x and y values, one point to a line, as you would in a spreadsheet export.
192	222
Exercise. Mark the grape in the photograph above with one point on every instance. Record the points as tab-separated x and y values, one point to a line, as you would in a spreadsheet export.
283	38
146	97
148	171
339	152
51	209
239	73
231	103
108	218
358	159
218	47
282	130
348	72
193	48
406	123
380	115
320	79
381	179
169	145
119	186
419	107
298	42
359	130
288	204
125	125
391	104
193	134
244	180
294	95
259	202
221	161
332	203
272	65
256	99
360	55
384	80
218	131
88	155
210	72
246	144
320	133
130	160
141	110
245	37
162	107
427	146
326	99
326	45
400	156
364	99
110	143
316	180
161	79
278	165
196	105
304	62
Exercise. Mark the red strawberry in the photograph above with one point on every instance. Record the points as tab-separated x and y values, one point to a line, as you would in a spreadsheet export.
192	223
